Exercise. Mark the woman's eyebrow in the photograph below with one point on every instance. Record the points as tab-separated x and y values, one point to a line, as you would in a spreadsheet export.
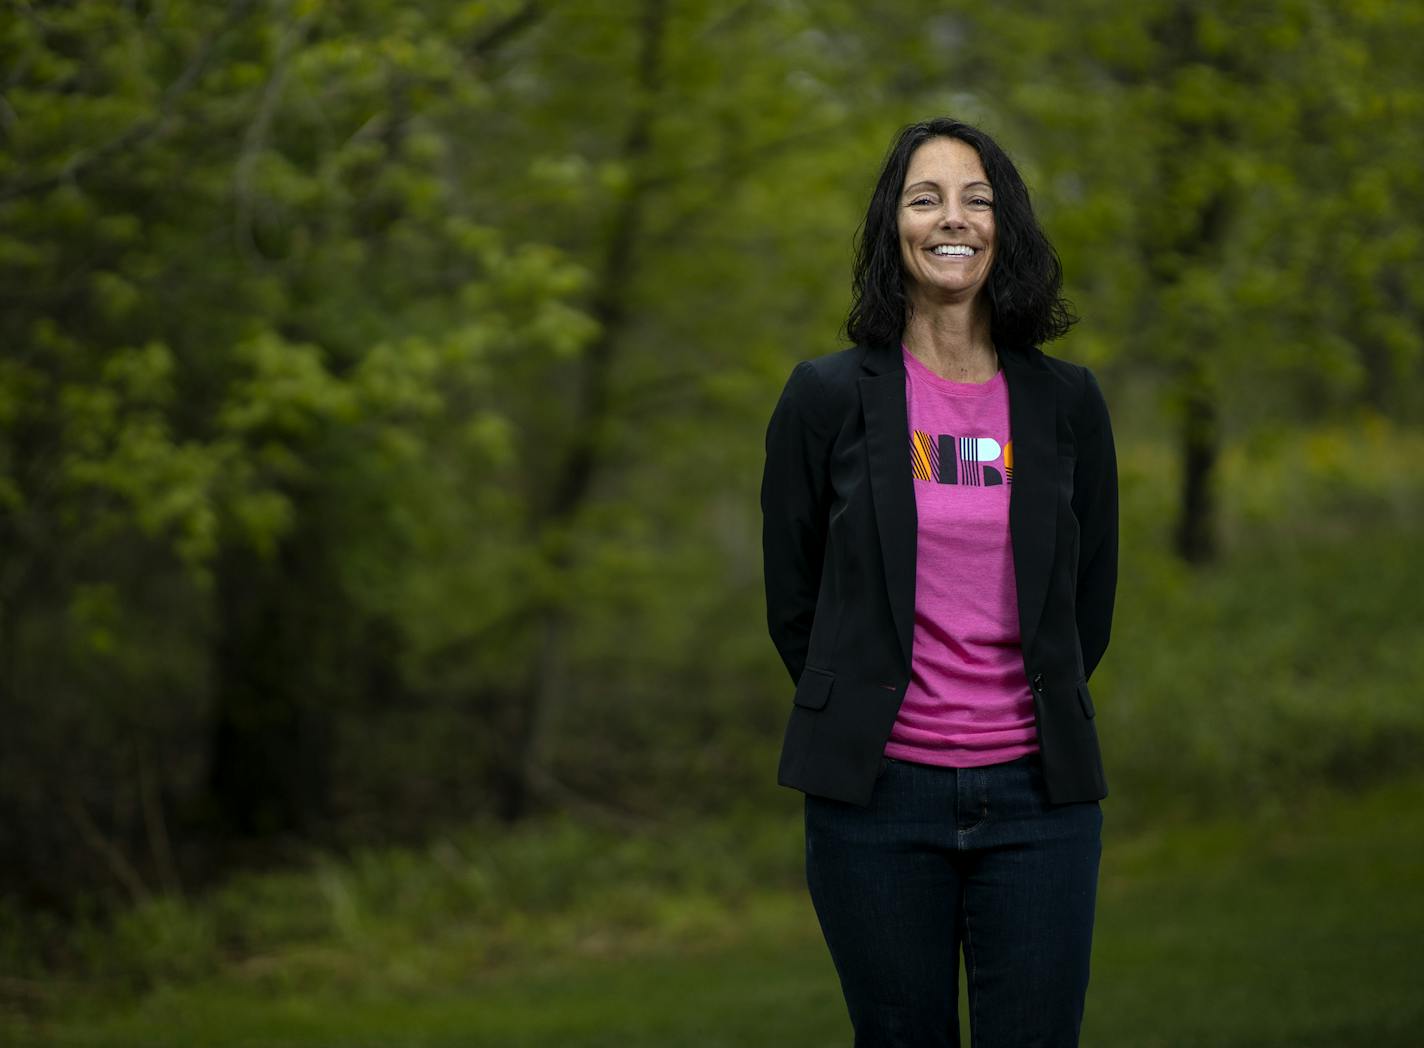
928	184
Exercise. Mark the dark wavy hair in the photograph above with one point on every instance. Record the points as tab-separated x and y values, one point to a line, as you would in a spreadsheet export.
1025	286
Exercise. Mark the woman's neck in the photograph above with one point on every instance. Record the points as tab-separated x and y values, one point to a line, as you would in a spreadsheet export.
953	341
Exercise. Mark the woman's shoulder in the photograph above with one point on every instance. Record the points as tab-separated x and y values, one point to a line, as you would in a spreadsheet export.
1036	359
824	387
838	368
1075	378
1077	382
830	376
1079	396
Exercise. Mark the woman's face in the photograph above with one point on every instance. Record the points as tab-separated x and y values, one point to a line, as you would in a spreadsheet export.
946	222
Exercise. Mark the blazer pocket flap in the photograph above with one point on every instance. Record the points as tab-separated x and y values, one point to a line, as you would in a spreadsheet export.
814	688
1085	700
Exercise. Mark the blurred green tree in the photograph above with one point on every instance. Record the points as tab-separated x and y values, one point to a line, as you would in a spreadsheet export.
382	386
253	398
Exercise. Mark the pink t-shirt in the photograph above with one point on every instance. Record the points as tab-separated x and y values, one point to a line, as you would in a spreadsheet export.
969	701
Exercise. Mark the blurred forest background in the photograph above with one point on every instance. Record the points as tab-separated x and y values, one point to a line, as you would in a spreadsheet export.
382	389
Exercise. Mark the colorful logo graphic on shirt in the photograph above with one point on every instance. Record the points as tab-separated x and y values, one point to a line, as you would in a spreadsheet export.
947	459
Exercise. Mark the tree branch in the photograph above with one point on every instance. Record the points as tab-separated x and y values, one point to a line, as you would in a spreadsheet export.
254	140
113	857
484	45
156	825
142	131
610	300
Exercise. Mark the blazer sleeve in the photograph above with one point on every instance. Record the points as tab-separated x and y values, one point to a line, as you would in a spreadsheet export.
795	502
1095	506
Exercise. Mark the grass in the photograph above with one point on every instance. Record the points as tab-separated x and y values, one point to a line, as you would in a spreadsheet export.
1302	926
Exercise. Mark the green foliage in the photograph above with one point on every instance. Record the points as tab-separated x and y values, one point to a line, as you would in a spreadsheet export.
1284	660
1246	709
382	386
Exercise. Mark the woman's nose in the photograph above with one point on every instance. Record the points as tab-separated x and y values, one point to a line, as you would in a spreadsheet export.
952	217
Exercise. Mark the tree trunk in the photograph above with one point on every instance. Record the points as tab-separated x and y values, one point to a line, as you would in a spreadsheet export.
270	742
1196	521
519	780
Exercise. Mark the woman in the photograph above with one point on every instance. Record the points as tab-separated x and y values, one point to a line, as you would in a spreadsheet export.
940	537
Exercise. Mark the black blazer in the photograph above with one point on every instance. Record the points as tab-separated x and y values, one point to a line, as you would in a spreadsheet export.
839	521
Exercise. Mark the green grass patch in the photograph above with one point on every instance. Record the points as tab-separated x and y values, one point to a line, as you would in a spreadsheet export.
1299	926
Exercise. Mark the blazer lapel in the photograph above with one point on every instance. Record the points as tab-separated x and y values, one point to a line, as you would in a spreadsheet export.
1033	499
887	440
1033	505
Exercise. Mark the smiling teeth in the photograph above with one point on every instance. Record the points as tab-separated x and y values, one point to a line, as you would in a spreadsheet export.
952	249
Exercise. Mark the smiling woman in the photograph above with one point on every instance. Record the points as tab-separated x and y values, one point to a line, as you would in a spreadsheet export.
946	225
1024	290
940	538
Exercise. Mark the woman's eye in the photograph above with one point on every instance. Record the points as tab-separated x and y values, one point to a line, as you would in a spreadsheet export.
982	202
918	201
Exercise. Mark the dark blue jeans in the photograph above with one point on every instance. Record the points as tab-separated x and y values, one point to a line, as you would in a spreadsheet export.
946	859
